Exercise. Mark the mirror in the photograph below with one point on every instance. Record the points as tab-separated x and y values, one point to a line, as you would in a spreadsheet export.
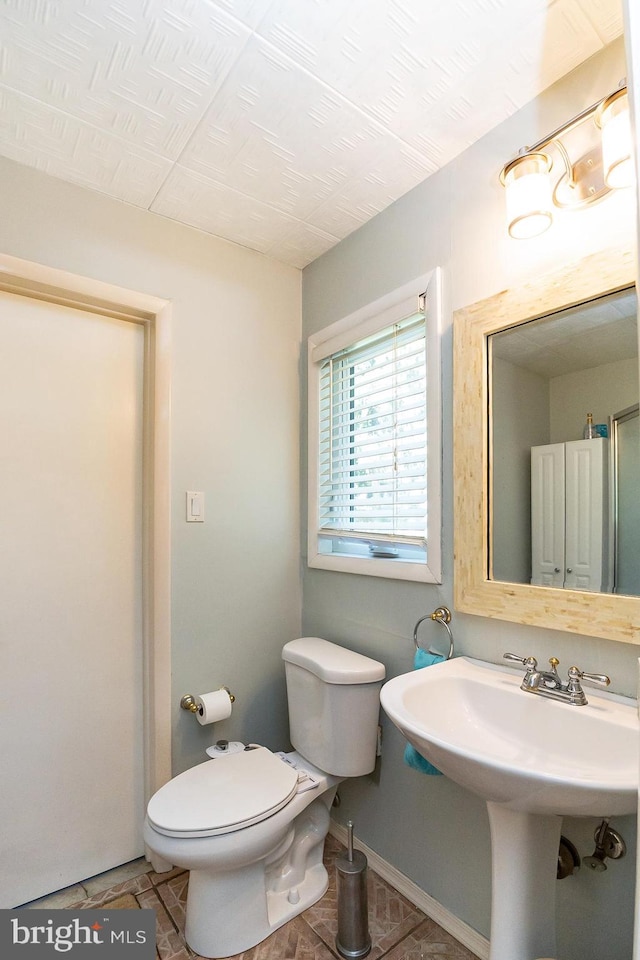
488	581
561	508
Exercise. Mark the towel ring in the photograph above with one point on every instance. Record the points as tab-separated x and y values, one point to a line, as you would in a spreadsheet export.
440	615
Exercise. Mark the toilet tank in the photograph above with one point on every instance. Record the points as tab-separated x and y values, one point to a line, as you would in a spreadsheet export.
334	703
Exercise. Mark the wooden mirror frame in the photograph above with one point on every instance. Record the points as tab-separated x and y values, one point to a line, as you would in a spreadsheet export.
610	616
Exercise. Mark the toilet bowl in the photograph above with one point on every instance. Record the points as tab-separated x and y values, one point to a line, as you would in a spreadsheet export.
250	873
250	826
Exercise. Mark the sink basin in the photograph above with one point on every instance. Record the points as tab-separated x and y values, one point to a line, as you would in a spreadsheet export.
532	754
533	760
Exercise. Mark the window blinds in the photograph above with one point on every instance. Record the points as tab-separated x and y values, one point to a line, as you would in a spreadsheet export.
373	437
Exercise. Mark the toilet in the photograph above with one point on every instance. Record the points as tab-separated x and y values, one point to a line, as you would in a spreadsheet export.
250	826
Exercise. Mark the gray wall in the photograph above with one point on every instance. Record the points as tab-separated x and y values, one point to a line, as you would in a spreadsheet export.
429	829
604	390
234	435
520	404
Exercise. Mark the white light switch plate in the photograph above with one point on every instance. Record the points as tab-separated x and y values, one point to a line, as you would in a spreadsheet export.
195	506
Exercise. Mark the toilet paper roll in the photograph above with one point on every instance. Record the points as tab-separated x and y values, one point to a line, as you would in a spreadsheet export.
213	706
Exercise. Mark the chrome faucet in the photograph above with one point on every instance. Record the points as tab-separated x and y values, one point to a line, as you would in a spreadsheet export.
548	683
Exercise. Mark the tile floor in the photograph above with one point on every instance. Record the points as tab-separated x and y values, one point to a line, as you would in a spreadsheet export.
398	929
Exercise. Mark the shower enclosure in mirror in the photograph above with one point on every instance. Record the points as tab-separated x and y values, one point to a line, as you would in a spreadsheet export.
530	363
562	510
625	438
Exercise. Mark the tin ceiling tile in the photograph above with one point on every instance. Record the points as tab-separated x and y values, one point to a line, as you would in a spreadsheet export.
250	12
45	138
144	71
391	173
302	245
278	134
605	17
194	199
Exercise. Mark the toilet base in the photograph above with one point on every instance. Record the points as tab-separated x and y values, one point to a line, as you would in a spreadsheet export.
230	912
283	908
209	934
159	864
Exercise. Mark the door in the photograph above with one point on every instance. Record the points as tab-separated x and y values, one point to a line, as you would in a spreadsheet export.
568	514
71	725
547	515
586	513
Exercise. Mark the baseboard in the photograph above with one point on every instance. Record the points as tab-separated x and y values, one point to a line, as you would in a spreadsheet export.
465	934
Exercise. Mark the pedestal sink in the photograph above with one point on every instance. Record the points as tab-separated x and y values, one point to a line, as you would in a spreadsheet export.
532	760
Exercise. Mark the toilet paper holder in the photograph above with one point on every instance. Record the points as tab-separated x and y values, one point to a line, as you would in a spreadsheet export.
188	701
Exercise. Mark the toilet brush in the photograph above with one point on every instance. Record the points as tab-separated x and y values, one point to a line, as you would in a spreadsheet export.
353	938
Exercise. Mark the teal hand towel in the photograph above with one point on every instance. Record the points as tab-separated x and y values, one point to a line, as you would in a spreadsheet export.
411	755
425	659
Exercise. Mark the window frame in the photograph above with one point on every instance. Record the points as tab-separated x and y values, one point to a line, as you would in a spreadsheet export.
364	322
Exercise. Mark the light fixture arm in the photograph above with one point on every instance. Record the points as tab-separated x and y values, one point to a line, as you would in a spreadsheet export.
562	150
573	123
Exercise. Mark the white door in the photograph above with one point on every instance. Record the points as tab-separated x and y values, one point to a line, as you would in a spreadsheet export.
71	793
568	529
547	515
585	514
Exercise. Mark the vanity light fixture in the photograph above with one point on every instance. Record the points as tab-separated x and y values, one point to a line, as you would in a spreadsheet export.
604	165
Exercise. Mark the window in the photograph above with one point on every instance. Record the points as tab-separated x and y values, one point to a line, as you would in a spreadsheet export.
374	444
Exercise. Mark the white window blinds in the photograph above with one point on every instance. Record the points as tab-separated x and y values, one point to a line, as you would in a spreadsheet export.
373	436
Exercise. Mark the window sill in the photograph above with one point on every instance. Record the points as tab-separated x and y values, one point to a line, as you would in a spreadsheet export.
374	567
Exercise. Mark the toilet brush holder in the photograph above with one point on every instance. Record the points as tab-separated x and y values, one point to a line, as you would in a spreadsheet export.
353	938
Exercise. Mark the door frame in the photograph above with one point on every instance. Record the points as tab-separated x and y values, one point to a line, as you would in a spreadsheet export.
41	282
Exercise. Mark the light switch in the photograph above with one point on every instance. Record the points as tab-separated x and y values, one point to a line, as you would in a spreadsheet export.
195	506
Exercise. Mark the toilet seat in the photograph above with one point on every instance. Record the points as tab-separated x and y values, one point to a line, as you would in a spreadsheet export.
222	795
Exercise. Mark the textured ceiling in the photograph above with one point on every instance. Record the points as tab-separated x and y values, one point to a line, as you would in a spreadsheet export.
580	338
282	125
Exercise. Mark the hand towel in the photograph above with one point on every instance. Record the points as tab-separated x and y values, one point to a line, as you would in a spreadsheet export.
411	756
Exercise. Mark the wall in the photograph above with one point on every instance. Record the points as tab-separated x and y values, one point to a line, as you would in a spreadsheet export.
429	829
520	421
604	390
234	435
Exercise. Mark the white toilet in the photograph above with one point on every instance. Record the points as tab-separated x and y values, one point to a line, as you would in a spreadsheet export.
251	826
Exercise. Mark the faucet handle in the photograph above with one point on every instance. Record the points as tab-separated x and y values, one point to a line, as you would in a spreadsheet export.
600	678
529	662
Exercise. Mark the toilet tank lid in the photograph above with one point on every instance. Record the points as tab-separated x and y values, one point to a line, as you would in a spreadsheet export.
332	663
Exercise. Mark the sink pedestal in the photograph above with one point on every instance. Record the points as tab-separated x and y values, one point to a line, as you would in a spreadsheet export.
524	865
